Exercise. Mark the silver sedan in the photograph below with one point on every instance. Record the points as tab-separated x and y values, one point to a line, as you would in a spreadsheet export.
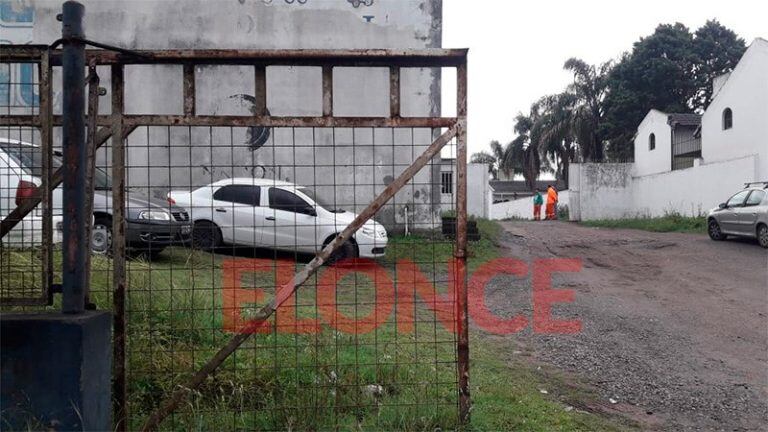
745	214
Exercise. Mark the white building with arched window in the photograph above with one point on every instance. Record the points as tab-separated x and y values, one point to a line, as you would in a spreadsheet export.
735	124
686	163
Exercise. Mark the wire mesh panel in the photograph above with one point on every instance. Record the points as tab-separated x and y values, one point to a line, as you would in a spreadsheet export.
269	271
368	341
26	243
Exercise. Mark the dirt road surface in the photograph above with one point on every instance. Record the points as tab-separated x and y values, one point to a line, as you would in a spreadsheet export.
675	326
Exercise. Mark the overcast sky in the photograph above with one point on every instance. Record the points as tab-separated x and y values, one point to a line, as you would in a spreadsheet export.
517	47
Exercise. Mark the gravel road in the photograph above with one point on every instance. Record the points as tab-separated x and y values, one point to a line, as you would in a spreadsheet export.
675	326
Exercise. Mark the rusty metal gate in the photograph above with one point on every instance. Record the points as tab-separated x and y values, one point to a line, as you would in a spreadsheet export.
310	325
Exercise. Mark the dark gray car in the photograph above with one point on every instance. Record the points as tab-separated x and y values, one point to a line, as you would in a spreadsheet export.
151	224
745	214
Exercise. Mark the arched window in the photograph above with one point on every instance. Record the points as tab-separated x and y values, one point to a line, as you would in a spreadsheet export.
651	142
727	119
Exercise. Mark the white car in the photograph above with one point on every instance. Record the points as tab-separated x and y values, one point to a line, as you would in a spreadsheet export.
273	214
16	185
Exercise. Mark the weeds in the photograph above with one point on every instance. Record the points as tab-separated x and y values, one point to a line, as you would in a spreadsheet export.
670	222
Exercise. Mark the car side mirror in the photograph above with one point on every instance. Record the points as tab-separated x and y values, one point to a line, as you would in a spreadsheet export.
723	205
310	211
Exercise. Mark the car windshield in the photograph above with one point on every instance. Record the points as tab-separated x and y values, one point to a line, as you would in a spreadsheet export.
322	203
31	159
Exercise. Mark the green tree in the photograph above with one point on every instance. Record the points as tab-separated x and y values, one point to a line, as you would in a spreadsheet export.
587	93
556	132
521	152
718	50
484	157
658	73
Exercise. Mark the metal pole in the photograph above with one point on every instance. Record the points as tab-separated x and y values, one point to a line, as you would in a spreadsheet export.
76	245
462	308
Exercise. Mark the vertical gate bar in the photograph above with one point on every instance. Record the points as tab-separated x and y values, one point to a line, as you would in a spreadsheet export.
189	89
90	168
260	90
462	315
327	91
119	389
73	133
46	144
394	91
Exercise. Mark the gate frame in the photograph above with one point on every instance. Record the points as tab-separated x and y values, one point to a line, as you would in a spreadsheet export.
118	126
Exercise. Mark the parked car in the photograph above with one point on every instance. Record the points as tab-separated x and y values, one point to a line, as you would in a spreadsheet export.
745	214
275	215
15	186
151	224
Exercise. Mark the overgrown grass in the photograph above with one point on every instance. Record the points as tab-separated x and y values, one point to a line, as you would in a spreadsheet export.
389	378
669	223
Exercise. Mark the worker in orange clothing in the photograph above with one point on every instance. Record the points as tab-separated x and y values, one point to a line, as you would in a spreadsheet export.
538	200
551	203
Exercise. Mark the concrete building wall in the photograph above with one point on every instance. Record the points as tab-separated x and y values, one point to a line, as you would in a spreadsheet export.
610	191
600	190
691	191
479	197
523	208
745	92
658	160
349	166
479	194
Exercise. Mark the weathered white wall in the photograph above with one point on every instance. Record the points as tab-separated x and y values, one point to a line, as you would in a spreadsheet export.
600	190
349	166
610	191
691	191
523	208
746	93
659	159
479	196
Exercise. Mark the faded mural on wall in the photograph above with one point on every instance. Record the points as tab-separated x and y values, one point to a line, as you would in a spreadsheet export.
17	20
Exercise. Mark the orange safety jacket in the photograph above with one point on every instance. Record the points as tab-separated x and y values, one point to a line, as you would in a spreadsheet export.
551	196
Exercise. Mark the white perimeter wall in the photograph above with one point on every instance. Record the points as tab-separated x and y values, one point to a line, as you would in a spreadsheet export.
523	207
609	191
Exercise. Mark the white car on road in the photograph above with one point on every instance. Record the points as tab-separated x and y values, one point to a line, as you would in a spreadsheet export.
273	214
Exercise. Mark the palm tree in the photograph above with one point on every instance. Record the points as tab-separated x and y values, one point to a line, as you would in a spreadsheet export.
498	152
484	157
589	88
521	153
556	130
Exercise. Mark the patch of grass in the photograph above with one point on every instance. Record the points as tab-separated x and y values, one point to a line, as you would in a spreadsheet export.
669	223
389	378
507	396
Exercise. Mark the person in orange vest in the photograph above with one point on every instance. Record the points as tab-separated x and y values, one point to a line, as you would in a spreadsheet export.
551	202
538	200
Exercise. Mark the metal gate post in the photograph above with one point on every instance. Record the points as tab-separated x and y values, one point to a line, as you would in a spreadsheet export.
462	315
75	245
119	386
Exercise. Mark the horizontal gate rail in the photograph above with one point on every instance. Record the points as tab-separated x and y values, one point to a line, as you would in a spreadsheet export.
291	57
244	121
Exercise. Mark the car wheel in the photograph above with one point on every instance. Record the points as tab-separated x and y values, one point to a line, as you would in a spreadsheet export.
101	236
345	251
206	236
762	235
714	231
